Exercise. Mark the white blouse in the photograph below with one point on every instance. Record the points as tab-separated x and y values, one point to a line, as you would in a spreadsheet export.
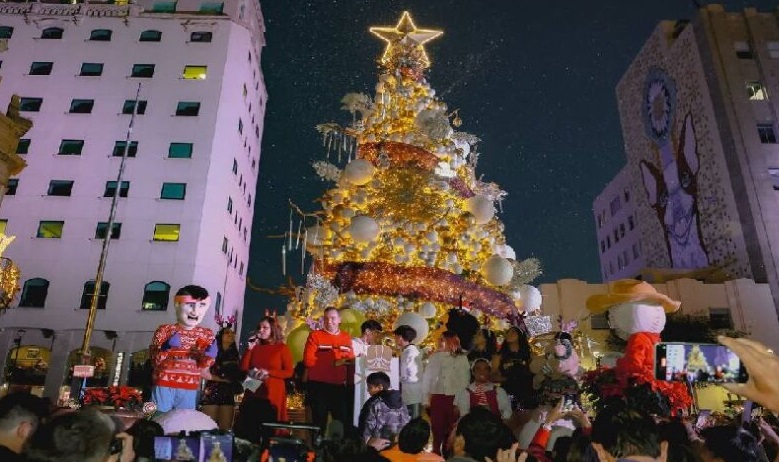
445	375
411	374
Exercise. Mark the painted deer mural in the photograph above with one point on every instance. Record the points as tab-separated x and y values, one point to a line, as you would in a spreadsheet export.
673	194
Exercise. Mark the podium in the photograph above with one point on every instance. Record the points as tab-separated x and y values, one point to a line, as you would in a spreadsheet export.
378	359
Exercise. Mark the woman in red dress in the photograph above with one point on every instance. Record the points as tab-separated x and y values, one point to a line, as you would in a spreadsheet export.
273	360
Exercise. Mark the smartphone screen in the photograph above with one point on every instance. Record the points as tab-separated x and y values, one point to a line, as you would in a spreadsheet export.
698	362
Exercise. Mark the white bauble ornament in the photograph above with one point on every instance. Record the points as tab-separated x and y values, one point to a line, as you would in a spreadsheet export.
505	251
363	228
497	270
427	310
416	321
530	297
481	208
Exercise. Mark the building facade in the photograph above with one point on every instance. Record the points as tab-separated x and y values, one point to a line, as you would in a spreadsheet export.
619	238
186	199
700	132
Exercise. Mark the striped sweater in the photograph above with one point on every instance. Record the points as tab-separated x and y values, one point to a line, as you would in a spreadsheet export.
180	367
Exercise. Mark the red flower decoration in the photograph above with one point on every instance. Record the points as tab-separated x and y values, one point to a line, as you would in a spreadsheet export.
118	397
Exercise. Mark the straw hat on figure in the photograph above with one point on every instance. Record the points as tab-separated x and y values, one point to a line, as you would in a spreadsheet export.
637	312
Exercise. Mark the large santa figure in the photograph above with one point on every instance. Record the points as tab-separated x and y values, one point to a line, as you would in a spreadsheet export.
182	353
636	311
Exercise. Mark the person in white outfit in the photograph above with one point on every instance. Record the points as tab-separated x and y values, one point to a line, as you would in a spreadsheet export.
447	373
410	369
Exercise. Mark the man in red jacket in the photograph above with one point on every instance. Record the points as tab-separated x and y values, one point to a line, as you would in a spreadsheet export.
326	355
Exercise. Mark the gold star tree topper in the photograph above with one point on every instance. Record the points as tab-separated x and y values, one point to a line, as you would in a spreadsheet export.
405	37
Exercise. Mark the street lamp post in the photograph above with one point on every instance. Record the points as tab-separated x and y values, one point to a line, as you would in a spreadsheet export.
96	293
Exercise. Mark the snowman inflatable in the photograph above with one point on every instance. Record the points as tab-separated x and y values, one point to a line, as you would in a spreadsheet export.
637	312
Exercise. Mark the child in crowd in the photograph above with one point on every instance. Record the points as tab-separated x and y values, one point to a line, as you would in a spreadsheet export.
384	414
410	369
483	393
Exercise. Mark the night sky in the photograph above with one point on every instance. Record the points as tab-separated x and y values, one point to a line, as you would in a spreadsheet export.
534	80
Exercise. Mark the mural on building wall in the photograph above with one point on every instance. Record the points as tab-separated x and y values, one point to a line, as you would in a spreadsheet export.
672	186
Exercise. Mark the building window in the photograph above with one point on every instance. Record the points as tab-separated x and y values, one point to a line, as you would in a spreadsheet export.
616	235
619	262
6	32
110	189
719	318
743	50
89	291
24	146
167	232
766	133
631	223
200	36
608	242
755	91
41	67
249	201
120	146
224	245
101	35
773	49
235	167
635	251
91	69
194	72
155	296
164	7
187	108
230	205
50	229
218	303
71	147
602	246
626	195
34	293
180	150
60	188
52	33
150	36
145	71
621	230
81	106
102	228
11	186
773	174
30	104
211	8
129	105
240	126
173	191
615	206
240	270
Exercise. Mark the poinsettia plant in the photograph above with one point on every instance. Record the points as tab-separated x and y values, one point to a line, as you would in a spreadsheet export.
117	397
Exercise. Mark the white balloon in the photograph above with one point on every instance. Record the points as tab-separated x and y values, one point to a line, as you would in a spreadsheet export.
416	321
497	270
481	208
427	310
363	228
530	297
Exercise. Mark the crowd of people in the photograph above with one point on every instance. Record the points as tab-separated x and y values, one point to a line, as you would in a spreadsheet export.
468	402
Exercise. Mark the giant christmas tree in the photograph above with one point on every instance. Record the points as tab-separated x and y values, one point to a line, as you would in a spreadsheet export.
408	231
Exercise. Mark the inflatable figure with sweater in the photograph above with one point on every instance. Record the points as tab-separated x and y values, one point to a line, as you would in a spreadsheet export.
182	353
637	313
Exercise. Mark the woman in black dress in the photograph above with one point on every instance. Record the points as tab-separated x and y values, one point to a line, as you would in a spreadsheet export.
511	368
218	400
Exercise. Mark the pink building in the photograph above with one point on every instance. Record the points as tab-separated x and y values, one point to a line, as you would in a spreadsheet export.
702	148
187	198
